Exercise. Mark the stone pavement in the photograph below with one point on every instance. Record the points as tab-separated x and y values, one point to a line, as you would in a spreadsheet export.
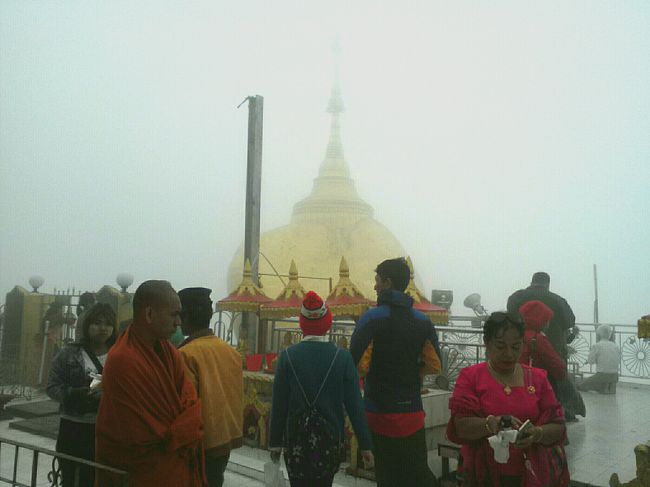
601	444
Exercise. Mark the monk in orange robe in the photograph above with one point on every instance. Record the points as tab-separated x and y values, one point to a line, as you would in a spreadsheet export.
149	419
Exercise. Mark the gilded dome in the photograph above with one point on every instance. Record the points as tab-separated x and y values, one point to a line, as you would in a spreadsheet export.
333	221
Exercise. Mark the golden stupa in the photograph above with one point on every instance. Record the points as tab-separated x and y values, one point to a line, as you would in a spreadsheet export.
333	221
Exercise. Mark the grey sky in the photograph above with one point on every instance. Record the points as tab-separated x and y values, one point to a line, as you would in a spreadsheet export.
494	139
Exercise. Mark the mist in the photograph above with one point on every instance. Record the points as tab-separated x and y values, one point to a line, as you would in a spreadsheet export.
493	139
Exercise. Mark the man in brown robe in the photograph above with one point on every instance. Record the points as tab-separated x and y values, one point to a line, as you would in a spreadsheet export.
149	419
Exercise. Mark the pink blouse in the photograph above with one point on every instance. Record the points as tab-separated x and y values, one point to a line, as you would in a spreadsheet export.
478	394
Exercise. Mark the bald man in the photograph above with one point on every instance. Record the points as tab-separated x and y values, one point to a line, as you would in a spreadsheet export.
149	420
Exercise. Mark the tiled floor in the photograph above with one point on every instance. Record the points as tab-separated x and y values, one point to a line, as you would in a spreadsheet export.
235	480
601	444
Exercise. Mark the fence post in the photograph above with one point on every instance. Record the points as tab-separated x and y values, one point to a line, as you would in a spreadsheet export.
34	468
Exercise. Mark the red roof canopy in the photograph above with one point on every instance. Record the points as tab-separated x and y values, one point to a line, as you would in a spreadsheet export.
247	297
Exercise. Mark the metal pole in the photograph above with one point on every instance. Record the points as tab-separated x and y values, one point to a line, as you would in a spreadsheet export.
42	365
595	294
254	183
253	195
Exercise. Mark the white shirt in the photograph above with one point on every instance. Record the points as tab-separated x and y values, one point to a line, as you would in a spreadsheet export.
315	338
89	366
606	355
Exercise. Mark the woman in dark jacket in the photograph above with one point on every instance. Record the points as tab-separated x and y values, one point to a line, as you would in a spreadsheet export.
75	382
318	374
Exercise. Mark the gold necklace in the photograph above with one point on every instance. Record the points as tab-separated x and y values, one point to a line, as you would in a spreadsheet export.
507	389
501	380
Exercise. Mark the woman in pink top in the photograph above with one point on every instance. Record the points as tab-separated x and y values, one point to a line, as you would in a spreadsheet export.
488	392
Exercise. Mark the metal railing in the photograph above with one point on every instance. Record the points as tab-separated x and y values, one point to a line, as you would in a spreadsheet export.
32	466
286	332
462	344
635	352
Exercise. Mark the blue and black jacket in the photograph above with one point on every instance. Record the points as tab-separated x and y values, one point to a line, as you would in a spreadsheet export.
393	346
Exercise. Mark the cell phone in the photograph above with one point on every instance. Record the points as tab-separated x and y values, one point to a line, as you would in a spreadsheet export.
524	429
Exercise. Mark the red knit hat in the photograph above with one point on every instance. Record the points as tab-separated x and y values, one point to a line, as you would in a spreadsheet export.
315	316
535	314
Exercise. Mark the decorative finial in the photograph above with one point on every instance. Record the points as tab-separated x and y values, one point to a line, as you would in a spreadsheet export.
344	270
248	269
293	271
335	105
337	50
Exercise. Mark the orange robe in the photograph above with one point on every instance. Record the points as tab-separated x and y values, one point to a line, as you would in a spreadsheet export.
149	419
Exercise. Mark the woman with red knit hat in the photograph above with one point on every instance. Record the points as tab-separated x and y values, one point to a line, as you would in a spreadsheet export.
538	351
315	385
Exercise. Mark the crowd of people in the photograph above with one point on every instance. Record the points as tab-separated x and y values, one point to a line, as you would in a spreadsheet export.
170	415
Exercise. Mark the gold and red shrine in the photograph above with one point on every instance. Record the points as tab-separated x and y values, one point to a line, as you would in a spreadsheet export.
247	297
289	302
346	300
437	314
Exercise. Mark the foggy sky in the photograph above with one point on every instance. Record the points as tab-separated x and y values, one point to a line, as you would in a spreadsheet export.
494	139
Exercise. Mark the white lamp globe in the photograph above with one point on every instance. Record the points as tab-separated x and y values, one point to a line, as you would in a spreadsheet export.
36	282
124	280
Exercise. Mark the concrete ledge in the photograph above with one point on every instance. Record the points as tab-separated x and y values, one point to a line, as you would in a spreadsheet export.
33	409
46	426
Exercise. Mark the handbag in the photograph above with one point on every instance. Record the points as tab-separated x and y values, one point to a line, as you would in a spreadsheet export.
546	466
273	475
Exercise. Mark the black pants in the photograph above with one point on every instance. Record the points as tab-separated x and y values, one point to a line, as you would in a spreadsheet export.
78	440
327	482
402	461
215	468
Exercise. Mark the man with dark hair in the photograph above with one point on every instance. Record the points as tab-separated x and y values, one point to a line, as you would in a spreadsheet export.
394	346
215	369
149	419
563	320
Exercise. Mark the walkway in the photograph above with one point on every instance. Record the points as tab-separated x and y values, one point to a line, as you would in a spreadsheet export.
601	444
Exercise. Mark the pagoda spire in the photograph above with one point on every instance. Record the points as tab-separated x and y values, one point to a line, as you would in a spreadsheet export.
334	193
334	163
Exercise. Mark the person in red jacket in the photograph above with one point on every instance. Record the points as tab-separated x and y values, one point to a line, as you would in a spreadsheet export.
537	350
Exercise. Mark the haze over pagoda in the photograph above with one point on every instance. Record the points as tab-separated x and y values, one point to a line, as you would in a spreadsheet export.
333	221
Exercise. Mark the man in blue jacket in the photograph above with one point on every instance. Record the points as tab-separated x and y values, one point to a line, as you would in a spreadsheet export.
393	346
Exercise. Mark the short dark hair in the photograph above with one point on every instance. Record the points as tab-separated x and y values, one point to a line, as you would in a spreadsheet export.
96	311
197	307
151	293
397	270
197	315
541	278
499	322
